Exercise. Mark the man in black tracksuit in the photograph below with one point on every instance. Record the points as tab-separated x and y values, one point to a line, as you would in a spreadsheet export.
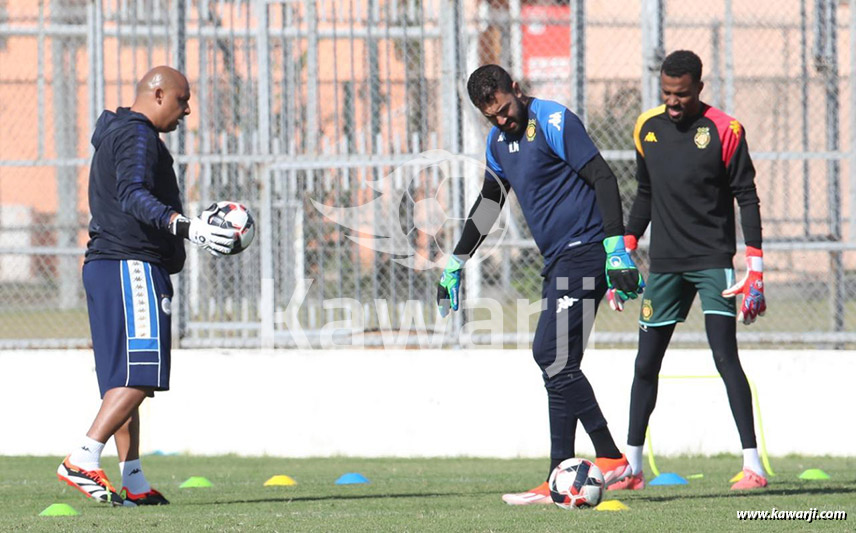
692	163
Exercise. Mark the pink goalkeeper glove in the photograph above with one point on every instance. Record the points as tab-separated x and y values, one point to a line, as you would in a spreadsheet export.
751	286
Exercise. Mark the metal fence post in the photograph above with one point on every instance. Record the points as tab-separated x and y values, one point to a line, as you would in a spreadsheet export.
265	178
178	23
852	128
578	59
828	57
451	73
729	58
652	51
64	69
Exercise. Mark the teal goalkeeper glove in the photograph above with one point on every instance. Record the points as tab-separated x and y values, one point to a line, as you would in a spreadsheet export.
622	277
449	288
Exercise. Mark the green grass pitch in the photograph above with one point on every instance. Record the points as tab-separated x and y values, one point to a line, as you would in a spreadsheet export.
446	495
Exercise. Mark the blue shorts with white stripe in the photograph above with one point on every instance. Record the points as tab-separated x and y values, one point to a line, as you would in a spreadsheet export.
129	316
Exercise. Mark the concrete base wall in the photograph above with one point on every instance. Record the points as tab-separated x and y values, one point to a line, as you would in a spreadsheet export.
420	403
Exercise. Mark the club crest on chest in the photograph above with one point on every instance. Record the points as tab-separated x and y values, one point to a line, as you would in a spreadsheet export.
702	137
531	130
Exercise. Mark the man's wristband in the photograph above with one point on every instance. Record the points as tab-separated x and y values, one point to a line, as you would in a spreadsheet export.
614	244
630	242
455	263
755	258
180	226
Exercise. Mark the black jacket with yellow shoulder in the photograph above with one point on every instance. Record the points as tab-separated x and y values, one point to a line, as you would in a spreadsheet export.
688	177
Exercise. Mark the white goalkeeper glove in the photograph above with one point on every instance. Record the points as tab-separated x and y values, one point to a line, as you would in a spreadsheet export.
216	240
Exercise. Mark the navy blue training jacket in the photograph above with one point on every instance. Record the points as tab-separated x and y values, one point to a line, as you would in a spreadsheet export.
132	193
542	167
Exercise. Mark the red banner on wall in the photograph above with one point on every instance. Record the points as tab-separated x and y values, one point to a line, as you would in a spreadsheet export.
547	49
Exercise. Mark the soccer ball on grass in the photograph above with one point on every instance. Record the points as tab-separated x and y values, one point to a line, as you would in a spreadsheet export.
576	483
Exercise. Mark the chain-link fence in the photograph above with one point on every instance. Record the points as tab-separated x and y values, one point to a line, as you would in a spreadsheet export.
313	113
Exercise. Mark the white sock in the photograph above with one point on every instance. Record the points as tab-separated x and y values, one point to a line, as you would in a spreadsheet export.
88	455
634	457
133	478
753	462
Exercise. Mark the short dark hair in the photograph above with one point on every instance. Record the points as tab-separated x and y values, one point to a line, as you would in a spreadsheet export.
485	81
682	62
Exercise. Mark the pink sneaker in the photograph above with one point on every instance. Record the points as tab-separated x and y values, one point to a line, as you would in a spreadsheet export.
537	496
632	482
614	470
750	480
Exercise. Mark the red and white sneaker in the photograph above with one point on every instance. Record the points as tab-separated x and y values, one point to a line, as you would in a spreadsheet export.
537	496
631	482
614	470
749	481
93	483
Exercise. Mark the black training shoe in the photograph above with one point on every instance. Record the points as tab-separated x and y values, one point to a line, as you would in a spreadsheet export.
152	497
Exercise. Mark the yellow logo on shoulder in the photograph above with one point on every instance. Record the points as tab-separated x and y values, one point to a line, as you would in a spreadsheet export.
735	127
650	137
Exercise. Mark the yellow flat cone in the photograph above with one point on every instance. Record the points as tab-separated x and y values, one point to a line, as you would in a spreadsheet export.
612	505
280	481
737	477
59	509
